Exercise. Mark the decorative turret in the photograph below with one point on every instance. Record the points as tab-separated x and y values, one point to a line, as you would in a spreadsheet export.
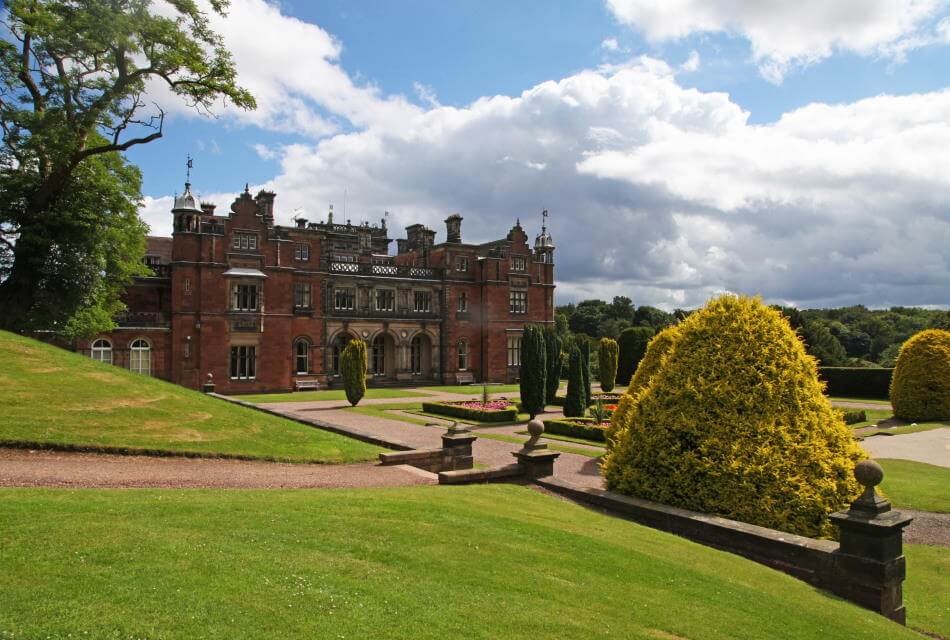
186	210
544	243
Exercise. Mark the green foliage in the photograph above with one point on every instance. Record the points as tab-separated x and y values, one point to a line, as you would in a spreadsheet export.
854	416
598	412
607	363
856	382
659	346
584	347
576	428
552	346
633	345
734	422
533	370
72	77
920	389
574	403
353	370
468	413
486	396
820	343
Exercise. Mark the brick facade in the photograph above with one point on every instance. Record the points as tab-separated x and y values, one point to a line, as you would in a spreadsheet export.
262	307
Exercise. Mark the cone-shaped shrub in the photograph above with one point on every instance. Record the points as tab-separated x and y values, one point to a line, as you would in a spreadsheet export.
552	346
607	358
585	369
734	422
659	346
533	370
920	388
575	404
353	370
633	344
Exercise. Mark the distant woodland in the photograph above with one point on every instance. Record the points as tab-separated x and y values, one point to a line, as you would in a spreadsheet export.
845	337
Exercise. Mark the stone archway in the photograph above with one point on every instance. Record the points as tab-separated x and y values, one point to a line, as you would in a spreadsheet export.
420	356
337	344
382	357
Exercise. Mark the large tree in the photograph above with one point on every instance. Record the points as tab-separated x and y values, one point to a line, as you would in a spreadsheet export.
73	80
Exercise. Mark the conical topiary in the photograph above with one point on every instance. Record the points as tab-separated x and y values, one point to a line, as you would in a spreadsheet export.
607	364
353	370
633	345
584	347
735	422
575	403
552	345
920	388
659	346
533	370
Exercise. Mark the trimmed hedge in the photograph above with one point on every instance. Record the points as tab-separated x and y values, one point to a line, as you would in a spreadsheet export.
856	382
921	387
465	413
573	429
353	370
855	416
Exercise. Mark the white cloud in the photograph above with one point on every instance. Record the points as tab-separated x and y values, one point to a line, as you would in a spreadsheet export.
787	34
656	191
610	44
692	62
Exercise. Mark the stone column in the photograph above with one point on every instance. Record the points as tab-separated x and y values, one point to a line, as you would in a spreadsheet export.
457	448
535	459
870	559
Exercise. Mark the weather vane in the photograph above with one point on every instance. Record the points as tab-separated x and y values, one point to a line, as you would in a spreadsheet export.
188	166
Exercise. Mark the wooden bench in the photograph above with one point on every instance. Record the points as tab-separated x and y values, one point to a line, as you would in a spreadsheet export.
307	383
464	377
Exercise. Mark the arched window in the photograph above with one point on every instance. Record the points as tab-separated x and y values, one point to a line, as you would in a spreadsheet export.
415	355
140	357
379	355
102	351
463	355
302	356
339	343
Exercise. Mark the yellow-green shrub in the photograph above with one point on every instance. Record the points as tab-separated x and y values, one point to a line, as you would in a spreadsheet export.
659	346
920	388
734	422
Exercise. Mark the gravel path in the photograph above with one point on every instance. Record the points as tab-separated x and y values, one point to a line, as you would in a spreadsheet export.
927	528
932	447
23	468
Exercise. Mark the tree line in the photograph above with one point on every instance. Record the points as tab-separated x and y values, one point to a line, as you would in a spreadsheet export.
843	337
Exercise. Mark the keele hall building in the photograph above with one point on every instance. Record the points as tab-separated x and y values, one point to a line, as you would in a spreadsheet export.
263	307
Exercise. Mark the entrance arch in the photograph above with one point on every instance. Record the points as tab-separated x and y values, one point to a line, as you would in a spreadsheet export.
420	356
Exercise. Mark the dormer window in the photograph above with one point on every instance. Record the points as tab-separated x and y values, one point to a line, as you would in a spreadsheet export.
461	263
301	252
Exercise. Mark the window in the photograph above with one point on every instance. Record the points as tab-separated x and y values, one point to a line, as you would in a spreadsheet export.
385	300
245	241
244	297
186	284
415	355
518	301
344	258
514	351
518	263
462	302
302	356
343	299
463	355
243	363
379	355
152	261
301	252
461	264
102	351
339	343
302	295
422	301
140	357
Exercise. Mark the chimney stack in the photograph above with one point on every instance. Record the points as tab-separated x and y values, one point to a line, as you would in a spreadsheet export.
453	228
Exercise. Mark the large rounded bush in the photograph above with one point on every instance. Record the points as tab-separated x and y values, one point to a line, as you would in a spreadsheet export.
734	422
920	388
659	346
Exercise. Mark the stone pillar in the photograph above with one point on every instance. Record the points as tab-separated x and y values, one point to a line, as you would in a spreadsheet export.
870	559
535	459
208	386
457	448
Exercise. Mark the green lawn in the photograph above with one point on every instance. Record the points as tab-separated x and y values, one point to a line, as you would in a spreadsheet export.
494	561
886	403
327	394
927	587
476	389
915	485
54	397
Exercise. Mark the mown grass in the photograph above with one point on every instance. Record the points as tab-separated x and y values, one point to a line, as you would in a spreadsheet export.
476	389
496	561
886	403
927	587
916	485
327	394
52	397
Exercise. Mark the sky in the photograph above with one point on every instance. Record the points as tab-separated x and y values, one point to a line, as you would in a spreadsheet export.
797	151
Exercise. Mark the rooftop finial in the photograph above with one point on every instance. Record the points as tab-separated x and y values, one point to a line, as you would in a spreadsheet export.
188	166
544	220
247	187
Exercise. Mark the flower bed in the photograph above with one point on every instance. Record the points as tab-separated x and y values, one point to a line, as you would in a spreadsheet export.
500	410
584	428
611	398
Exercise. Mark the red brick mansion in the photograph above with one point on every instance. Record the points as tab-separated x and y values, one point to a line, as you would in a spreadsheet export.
264	307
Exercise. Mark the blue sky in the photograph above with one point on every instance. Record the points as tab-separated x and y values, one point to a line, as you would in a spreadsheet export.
674	129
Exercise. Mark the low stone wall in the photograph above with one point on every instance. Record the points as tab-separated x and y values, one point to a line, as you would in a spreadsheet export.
454	454
867	568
